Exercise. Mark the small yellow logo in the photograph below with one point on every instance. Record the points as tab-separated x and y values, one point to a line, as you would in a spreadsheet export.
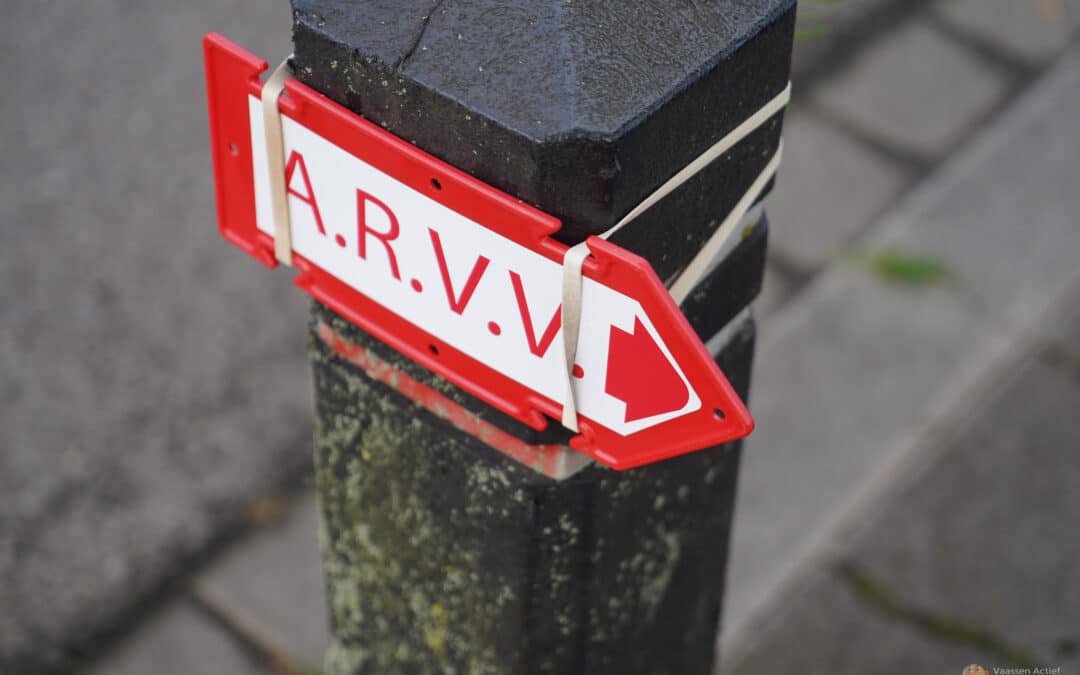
975	669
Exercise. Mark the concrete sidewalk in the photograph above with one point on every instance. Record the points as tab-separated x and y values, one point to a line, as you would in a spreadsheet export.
916	470
966	552
153	381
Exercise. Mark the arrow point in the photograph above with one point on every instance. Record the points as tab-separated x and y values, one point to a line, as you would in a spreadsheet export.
641	375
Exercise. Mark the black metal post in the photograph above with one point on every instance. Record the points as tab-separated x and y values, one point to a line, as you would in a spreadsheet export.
500	551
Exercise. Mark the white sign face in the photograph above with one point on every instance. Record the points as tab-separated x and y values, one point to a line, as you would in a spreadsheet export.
474	289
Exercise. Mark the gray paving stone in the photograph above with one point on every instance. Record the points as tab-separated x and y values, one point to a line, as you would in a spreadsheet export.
840	377
1065	332
1004	216
915	90
988	532
830	189
153	377
980	539
177	641
825	30
1033	31
273	584
824	629
849	375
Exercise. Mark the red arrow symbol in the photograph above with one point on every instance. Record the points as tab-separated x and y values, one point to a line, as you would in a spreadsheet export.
640	375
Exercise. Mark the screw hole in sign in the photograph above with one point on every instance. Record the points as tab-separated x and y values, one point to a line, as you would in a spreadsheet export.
436	184
433	349
234	150
719	414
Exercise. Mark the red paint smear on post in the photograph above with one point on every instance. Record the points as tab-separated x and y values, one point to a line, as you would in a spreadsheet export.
543	458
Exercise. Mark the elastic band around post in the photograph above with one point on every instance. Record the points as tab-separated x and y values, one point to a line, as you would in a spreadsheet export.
574	258
573	261
275	158
696	269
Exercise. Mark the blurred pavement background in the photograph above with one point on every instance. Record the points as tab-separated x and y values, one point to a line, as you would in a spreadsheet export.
909	500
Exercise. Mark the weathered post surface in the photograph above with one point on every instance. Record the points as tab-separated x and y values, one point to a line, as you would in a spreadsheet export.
456	539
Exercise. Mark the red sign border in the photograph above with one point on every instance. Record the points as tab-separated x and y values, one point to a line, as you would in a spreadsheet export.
233	74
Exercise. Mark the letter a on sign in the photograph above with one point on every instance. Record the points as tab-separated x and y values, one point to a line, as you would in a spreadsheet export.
462	278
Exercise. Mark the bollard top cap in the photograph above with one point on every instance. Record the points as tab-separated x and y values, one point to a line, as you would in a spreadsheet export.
578	107
547	68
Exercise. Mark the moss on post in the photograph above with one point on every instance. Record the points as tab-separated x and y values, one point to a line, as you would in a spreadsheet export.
444	556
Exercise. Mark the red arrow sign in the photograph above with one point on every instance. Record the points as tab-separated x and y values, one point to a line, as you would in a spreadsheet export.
461	277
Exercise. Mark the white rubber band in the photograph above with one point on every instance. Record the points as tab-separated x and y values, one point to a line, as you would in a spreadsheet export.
570	315
696	269
706	158
574	258
275	157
